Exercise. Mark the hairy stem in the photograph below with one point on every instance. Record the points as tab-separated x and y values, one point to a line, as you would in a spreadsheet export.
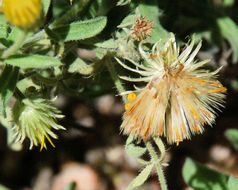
11	50
158	166
161	147
115	78
72	14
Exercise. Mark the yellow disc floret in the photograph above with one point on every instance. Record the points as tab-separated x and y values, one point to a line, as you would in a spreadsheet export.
127	106
132	96
24	14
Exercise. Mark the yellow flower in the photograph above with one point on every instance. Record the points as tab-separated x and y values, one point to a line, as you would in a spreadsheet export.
179	98
35	118
24	14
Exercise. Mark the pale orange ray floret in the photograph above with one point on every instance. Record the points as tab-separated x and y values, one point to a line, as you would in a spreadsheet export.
180	97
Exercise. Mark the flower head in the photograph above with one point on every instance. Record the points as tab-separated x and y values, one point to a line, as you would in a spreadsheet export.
180	97
35	119
141	28
23	14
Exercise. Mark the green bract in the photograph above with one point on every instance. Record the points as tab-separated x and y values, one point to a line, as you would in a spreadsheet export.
35	118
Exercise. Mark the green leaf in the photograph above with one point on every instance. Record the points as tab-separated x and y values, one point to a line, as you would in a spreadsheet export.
46	5
232	135
100	7
229	30
84	68
127	21
228	3
108	44
71	14
161	147
132	149
149	8
80	66
2	19
81	30
135	151
26	83
232	183
200	177
71	186
129	140
32	61
3	30
8	80
14	34
141	178
3	188
123	2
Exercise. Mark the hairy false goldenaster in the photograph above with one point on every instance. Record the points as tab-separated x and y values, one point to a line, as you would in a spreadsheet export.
180	97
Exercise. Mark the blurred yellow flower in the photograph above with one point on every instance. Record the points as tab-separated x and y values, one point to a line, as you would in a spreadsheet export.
24	14
179	98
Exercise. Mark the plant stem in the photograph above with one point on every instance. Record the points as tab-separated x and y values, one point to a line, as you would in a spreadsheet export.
72	14
161	147
11	50
115	78
157	165
18	94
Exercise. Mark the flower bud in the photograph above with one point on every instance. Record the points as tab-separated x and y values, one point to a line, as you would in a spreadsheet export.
23	14
35	118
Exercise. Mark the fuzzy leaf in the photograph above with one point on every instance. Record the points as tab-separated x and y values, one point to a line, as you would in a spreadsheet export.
229	30
8	80
100	7
32	61
129	140
46	5
25	83
128	21
135	151
14	34
80	66
81	30
228	3
108	44
3	30
150	9
123	2
2	19
232	183
3	187
232	135
71	186
141	178
84	68
200	177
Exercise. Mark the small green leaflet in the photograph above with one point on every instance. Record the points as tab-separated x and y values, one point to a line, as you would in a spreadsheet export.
141	178
46	5
3	30
229	30
8	81
232	183
200	177
232	135
81	30
32	61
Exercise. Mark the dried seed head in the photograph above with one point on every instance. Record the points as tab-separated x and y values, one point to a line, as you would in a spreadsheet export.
179	98
141	29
